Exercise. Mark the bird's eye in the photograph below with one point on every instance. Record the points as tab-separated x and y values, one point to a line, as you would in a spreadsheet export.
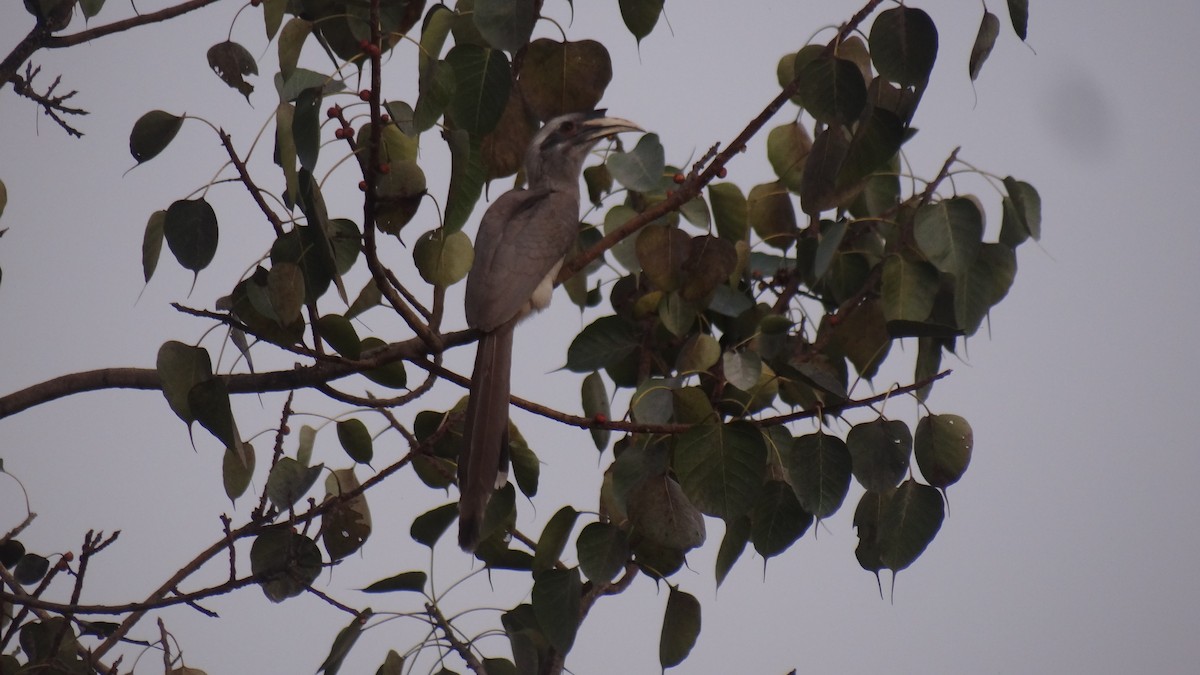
567	127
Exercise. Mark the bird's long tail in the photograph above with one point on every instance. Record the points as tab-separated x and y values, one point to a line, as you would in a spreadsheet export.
485	433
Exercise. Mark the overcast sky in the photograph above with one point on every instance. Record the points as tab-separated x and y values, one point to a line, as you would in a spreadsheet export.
1070	543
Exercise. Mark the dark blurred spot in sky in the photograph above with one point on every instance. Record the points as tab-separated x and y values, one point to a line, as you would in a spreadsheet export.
1079	116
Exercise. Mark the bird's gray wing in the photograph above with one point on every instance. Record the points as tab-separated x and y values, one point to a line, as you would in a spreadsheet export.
522	237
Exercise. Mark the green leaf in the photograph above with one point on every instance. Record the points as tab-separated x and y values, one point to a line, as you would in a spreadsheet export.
681	627
285	150
787	151
737	534
30	569
209	403
867	520
291	42
909	289
879	452
729	210
152	133
698	354
356	440
819	468
344	642
428	527
1022	213
595	404
285	287
983	285
339	332
660	512
863	337
232	62
436	92
562	77
285	562
603	343
347	524
1018	13
467	174
832	90
554	539
721	466
827	246
152	241
661	252
985	39
3	198
304	446
942	446
90	7
874	145
289	481
777	519
405	581
482	83
640	16
556	599
442	258
393	375
910	520
603	550
400	192
819	190
236	471
771	214
306	127
904	44
273	11
190	228
506	24
181	367
393	664
640	169
949	233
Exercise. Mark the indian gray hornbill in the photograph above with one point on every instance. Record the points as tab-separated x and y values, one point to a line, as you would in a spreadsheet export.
522	240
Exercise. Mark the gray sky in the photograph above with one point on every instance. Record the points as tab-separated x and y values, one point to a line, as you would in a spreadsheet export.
1069	545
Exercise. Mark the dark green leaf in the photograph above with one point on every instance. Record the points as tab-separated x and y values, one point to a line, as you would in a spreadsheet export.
306	127
681	627
771	214
151	241
428	527
832	90
595	404
777	519
904	44
983	285
661	251
660	512
236	471
602	343
289	481
640	16
819	190
556	598
392	375
393	664
867	520
721	466
343	643
787	150
209	403
285	563
949	233
1022	213
30	569
819	468
405	581
437	90
232	62
729	211
152	133
467	174
285	288
506	24
909	288
942	446
554	539
910	520
356	440
1018	13
181	367
339	332
737	533
347	524
603	550
11	552
434	31
879	452
190	228
482	83
985	39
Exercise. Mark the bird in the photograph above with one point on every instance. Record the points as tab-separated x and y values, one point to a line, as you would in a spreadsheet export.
523	239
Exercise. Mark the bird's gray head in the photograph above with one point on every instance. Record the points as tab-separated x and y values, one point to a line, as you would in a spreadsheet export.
557	151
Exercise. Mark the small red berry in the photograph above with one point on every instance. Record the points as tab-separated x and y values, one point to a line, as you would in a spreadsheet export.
385	168
333	112
363	44
600	418
679	178
68	556
721	172
255	3
362	185
364	95
372	51
385	118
